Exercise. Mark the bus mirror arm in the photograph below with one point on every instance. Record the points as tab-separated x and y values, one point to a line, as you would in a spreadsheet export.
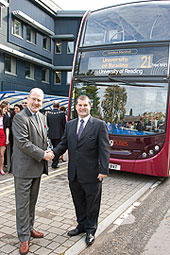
117	80
111	78
132	84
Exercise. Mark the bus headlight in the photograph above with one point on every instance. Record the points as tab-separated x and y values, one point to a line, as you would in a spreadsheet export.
156	148
150	152
144	155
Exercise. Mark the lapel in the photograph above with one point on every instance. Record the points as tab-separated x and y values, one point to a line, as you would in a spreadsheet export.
42	125
74	127
34	122
72	134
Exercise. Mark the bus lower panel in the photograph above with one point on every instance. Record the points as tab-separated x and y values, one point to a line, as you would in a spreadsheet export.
156	166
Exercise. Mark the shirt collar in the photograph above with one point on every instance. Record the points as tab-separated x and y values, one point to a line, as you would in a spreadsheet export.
33	113
86	118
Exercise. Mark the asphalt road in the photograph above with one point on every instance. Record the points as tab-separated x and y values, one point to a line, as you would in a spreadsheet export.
145	231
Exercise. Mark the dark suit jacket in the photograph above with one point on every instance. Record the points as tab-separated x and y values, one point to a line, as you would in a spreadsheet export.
29	145
90	155
56	121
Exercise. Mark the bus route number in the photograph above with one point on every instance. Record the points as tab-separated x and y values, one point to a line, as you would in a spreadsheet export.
146	62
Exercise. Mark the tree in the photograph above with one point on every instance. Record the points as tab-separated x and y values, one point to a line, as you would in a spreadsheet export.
114	102
92	92
131	112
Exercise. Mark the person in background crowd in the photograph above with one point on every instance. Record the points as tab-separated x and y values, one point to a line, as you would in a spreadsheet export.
29	162
4	134
8	147
16	110
63	109
56	121
140	125
8	112
86	139
24	103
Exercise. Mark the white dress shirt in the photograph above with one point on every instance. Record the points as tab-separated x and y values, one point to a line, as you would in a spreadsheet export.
85	122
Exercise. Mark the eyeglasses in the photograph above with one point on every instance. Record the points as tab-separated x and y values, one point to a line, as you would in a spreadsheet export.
24	103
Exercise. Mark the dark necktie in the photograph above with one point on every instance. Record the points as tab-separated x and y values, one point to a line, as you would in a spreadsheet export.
80	128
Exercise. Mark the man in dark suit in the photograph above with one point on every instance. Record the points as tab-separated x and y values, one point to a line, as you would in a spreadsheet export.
86	139
56	121
29	162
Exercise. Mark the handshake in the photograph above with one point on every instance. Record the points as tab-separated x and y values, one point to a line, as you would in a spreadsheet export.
49	155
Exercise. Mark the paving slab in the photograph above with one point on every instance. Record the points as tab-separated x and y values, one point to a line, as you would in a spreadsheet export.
55	214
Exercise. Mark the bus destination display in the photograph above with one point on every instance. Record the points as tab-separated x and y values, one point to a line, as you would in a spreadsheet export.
136	61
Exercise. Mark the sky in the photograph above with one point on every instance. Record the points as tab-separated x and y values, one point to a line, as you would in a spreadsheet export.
87	4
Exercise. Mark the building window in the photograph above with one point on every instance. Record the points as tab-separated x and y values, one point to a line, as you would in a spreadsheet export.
10	65
58	48
68	78
31	35
70	47
46	43
57	77
29	71
17	28
45	75
0	16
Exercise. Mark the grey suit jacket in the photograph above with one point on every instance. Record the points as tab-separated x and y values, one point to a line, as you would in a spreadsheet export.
29	145
90	155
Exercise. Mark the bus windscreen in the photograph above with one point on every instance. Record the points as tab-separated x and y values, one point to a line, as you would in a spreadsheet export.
127	110
135	22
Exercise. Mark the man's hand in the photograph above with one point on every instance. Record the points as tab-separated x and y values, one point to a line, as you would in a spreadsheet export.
49	155
101	177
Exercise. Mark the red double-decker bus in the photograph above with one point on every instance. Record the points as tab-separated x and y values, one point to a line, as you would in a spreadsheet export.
122	63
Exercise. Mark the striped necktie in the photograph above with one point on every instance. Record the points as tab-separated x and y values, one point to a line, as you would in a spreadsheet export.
38	122
36	118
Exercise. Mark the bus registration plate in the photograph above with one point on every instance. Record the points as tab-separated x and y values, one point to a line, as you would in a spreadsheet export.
114	166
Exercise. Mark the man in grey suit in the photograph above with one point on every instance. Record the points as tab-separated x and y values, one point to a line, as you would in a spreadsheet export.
86	139
29	162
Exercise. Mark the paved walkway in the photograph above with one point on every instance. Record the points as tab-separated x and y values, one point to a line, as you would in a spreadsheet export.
55	211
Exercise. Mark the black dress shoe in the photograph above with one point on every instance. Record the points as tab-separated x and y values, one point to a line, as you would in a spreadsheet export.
54	167
75	232
89	239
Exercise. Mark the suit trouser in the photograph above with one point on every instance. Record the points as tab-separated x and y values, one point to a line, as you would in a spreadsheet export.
26	194
56	159
86	198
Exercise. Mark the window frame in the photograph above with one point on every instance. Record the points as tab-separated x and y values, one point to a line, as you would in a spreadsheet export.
0	16
68	82
13	65
57	83
60	47
47	75
72	45
31	70
20	35
47	43
32	35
